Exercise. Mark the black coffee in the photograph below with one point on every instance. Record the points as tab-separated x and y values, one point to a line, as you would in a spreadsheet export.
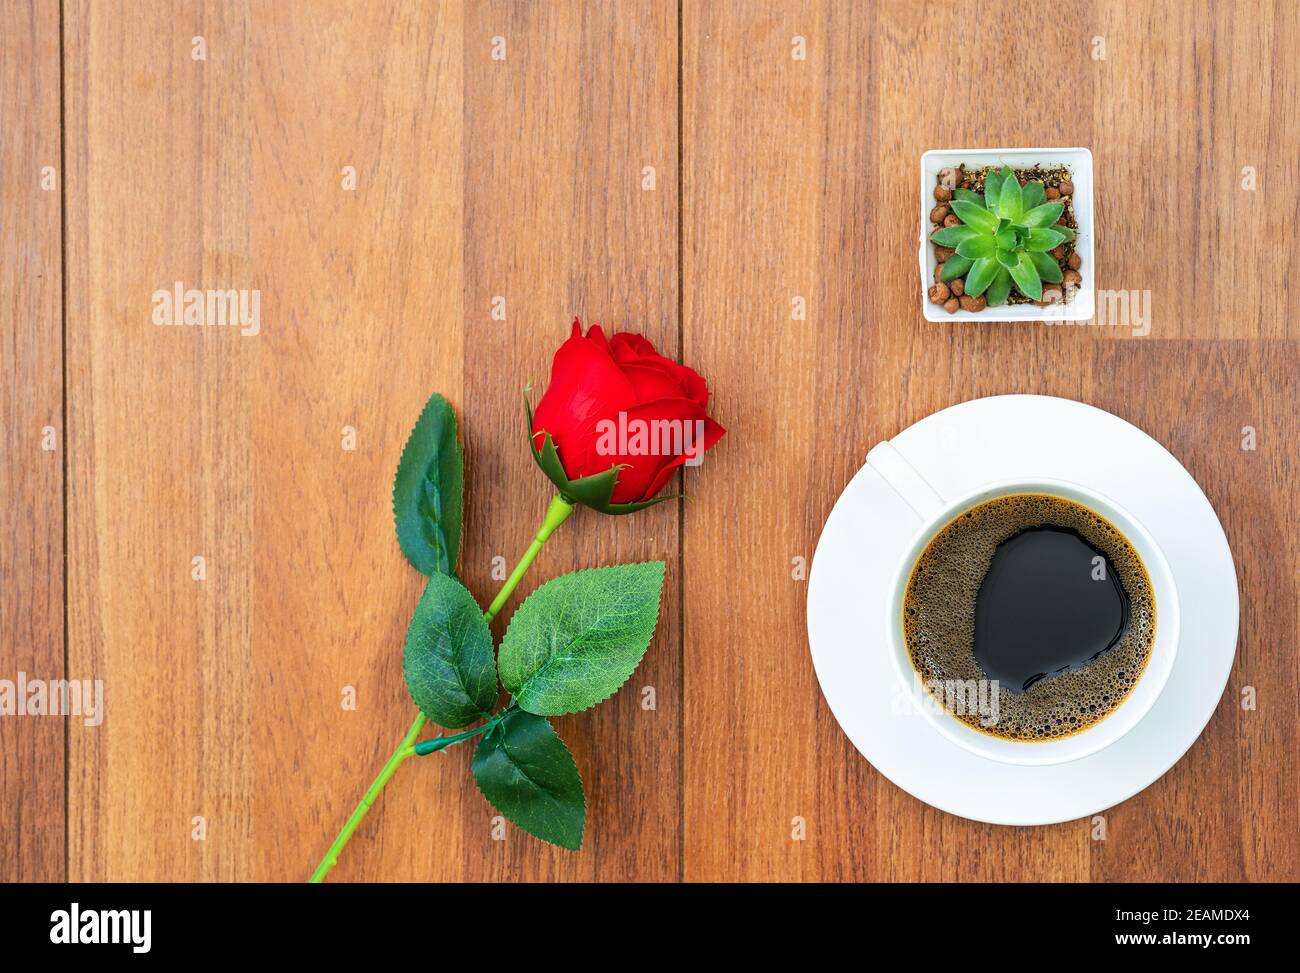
1040	594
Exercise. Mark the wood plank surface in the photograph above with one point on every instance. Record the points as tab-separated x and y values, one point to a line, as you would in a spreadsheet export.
800	181
31	440
669	168
559	223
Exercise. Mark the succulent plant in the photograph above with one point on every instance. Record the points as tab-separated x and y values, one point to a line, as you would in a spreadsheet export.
1003	238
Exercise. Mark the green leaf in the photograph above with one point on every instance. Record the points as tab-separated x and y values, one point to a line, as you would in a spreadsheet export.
1064	231
575	640
992	189
981	275
524	770
954	267
950	236
969	196
1006	239
1044	238
976	247
1025	274
1008	258
1000	288
448	655
1010	202
1033	194
1044	215
427	491
976	216
1047	267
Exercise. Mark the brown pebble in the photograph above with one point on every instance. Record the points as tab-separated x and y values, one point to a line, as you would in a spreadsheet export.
951	220
943	253
1067	188
942	194
1059	252
1072	278
957	286
1051	295
938	213
1075	261
1053	193
937	271
969	303
951	305
939	293
949	177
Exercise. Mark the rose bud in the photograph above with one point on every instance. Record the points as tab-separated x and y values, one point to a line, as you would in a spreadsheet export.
617	421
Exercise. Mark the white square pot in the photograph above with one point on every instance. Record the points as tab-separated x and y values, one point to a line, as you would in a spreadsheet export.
1079	161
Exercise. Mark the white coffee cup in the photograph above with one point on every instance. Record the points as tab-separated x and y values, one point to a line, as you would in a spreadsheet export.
937	512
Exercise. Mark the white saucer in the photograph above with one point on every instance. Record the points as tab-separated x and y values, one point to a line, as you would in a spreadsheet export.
957	451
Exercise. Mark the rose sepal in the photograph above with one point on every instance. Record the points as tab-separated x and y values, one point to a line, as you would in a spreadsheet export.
591	491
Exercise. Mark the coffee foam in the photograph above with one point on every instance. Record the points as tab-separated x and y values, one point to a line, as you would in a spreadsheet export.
939	618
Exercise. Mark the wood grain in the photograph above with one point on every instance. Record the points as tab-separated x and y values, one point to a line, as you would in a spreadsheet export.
31	438
559	223
545	181
799	181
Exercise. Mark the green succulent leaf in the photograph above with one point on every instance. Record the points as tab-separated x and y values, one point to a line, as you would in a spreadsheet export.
1048	268
524	770
975	216
1042	239
1000	288
951	236
575	640
976	247
968	196
448	656
1025	274
1033	194
1010	201
992	188
1006	239
981	275
1044	215
954	267
1064	231
1008	258
427	491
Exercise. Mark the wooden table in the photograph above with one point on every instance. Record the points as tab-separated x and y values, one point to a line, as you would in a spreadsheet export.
674	170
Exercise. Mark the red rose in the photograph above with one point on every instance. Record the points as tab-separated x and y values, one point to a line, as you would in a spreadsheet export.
618	413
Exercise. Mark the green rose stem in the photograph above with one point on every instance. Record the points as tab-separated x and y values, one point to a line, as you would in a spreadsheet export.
556	514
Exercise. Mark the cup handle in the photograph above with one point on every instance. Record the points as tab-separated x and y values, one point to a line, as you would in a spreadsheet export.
902	477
